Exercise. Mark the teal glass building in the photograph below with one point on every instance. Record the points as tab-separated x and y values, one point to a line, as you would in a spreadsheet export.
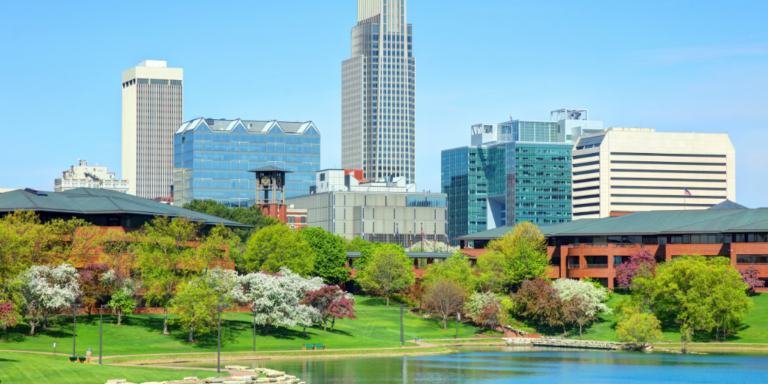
212	158
515	171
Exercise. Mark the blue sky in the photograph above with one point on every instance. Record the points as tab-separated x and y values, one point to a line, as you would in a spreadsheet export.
678	66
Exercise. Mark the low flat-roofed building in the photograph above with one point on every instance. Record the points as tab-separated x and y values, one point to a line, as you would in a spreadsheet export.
387	211
593	247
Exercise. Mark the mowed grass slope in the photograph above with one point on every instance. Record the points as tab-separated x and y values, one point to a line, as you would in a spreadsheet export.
754	328
377	326
36	368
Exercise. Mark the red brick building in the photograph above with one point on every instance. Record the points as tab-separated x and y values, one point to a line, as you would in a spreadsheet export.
593	247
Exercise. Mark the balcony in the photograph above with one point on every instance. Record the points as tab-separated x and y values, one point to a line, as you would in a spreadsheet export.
597	265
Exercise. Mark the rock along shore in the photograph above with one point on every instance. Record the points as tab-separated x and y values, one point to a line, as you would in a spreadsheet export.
565	343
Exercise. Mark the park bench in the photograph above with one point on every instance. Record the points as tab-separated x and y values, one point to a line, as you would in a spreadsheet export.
312	347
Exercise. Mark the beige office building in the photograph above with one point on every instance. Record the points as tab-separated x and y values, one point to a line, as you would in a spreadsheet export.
387	210
153	105
623	170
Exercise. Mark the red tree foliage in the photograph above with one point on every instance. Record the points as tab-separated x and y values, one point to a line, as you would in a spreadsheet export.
331	303
94	291
491	316
625	272
751	276
342	308
539	301
7	317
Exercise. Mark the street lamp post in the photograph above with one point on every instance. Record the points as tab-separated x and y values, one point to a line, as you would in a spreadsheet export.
218	352
74	327
402	339
458	318
101	327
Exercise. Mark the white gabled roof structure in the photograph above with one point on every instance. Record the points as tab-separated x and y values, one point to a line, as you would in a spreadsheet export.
253	126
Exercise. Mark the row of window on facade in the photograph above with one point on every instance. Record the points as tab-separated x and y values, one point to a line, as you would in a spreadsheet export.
704	238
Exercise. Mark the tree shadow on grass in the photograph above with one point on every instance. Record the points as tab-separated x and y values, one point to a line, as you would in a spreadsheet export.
376	302
8	361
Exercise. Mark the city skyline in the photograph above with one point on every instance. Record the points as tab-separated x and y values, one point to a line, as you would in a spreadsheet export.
677	76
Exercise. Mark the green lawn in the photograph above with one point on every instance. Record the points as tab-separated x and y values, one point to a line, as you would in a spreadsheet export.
377	326
35	368
753	330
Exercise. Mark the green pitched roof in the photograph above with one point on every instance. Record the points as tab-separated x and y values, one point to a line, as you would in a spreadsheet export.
652	223
89	201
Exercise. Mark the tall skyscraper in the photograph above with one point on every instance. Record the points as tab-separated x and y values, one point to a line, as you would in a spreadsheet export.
153	105
378	92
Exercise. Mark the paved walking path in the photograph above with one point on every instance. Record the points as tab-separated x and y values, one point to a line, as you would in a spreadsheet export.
422	345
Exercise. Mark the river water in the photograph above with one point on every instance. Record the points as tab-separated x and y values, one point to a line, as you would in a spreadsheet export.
526	365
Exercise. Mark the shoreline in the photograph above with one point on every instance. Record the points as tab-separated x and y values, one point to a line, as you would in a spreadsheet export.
147	361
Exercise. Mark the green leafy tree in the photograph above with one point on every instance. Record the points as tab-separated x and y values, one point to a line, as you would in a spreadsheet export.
388	270
457	268
700	293
365	254
493	271
356	245
525	253
196	306
279	246
166	257
252	216
123	303
24	242
197	300
330	257
637	328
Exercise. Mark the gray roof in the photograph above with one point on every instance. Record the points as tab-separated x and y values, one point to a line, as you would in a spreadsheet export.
91	201
416	255
653	223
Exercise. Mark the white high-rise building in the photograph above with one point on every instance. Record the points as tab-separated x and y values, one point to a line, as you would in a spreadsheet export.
153	105
83	175
378	93
620	170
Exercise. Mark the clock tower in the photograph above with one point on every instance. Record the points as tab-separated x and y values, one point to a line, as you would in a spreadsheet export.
270	191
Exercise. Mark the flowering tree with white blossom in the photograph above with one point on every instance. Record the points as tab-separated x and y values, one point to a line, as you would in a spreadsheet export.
47	289
274	298
589	301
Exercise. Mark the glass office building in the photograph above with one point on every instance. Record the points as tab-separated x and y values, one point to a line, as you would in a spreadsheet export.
539	183
515	171
212	158
506	183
